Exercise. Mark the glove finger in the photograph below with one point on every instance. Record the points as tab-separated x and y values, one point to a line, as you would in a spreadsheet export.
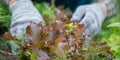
87	20
92	30
78	15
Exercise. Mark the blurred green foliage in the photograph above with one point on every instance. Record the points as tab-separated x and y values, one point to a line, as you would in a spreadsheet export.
110	33
108	28
46	10
114	42
4	19
116	25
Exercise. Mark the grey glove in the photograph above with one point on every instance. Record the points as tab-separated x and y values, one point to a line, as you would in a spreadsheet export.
91	16
23	13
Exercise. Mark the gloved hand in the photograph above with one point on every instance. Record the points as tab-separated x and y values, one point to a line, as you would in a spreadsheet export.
91	16
23	13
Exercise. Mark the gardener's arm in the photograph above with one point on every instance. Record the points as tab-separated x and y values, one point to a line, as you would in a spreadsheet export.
93	15
112	7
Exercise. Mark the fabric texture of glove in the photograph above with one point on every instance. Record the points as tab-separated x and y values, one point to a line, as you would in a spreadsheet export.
91	16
